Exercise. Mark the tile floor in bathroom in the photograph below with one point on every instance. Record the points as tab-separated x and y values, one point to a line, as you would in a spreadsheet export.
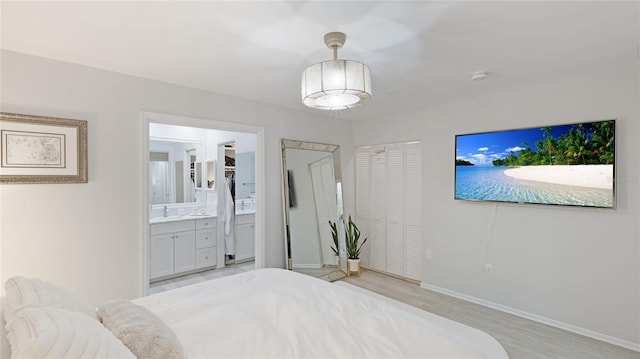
194	278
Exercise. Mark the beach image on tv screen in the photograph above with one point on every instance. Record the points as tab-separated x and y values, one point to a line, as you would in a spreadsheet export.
564	165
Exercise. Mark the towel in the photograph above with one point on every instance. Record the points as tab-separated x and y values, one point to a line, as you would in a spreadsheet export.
229	219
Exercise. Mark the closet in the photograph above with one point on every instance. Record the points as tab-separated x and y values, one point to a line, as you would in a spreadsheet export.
230	167
389	207
239	172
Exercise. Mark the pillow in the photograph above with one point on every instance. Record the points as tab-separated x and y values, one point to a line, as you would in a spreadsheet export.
5	348
143	332
23	292
59	333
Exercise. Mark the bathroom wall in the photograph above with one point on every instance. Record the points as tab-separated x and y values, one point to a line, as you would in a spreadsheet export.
245	175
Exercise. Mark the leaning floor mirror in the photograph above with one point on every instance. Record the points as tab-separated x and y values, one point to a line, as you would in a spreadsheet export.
312	195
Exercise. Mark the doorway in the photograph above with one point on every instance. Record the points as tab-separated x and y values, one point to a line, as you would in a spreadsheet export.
207	173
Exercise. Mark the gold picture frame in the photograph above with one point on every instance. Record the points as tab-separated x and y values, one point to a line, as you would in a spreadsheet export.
39	149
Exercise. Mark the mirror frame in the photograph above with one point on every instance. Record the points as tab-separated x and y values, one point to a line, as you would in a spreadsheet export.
337	169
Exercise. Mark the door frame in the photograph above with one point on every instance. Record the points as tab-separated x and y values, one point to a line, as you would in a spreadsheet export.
154	117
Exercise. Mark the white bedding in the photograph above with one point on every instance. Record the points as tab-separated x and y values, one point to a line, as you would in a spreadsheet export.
278	313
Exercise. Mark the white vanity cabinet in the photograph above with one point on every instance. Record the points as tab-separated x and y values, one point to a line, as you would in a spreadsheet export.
184	246
161	248
181	246
245	237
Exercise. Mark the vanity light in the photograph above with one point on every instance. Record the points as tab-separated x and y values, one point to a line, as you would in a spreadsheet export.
336	84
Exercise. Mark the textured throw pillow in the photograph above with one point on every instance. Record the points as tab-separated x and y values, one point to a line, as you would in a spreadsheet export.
5	347
24	292
143	332
59	333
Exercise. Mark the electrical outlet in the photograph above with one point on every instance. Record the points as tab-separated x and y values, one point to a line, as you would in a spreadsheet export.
428	253
488	268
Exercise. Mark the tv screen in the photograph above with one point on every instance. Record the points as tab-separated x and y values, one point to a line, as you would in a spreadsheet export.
569	165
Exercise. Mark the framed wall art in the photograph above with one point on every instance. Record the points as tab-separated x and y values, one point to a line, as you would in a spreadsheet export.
37	149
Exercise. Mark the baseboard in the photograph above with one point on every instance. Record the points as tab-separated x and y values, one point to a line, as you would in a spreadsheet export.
536	318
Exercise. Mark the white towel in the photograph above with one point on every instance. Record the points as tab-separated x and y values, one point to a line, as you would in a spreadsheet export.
229	221
192	192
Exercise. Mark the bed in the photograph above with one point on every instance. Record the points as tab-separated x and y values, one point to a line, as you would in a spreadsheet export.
275	313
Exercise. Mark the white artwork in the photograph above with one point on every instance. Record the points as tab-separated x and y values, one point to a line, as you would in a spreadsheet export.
31	149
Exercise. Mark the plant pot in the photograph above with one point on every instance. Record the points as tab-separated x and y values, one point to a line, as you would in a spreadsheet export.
353	266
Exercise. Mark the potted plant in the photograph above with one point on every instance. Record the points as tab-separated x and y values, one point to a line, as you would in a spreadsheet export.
334	234
353	246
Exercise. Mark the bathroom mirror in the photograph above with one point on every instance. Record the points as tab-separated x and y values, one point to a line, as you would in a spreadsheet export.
312	194
173	167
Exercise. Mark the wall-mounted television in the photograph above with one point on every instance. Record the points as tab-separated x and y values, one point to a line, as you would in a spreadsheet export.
570	164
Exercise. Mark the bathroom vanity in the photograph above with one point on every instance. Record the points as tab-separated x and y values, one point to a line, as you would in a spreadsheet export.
245	236
179	245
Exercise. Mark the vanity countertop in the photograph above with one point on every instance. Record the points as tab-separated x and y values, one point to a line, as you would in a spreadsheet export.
188	217
180	218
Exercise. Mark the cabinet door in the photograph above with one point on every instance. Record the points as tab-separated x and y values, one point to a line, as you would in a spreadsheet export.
244	241
161	250
185	251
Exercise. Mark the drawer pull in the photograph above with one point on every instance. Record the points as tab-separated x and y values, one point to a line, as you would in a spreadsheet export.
205	258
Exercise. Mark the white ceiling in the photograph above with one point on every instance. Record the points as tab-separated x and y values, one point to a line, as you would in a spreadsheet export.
419	53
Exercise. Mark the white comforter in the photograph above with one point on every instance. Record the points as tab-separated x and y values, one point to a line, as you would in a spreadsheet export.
278	314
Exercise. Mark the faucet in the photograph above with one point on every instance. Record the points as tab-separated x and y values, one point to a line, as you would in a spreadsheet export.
166	211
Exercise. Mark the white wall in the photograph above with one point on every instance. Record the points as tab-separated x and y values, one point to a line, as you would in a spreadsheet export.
578	266
87	237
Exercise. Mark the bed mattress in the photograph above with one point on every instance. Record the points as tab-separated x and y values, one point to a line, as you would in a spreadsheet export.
275	313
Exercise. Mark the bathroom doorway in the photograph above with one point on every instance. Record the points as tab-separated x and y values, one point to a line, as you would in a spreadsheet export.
208	169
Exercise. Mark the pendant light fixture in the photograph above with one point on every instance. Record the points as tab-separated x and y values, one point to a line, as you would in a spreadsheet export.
336	84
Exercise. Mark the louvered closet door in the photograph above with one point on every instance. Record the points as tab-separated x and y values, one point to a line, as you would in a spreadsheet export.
413	211
378	209
363	203
389	206
395	209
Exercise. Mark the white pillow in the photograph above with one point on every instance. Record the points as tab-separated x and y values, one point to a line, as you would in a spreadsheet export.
59	333
143	332
23	293
5	348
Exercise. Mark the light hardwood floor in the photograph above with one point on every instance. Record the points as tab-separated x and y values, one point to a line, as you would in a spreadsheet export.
521	338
